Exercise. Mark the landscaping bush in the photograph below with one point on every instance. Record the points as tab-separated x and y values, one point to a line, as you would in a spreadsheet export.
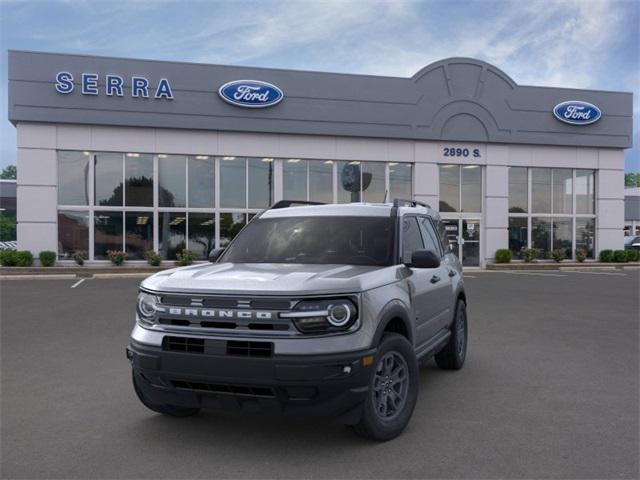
47	258
581	254
117	257
503	255
606	256
80	256
185	257
620	256
152	258
8	258
633	255
529	254
24	258
558	255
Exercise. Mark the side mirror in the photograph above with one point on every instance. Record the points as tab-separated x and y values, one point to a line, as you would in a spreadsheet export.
424	259
214	254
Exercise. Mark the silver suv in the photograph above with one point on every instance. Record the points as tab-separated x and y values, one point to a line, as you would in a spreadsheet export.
311	310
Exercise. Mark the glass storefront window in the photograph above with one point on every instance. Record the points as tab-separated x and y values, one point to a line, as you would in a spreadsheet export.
260	182
518	190
562	235
294	179
172	234
107	232
349	178
541	235
233	182
585	192
201	181
585	235
373	181
562	190
449	188
471	190
172	181
517	235
138	177
73	233
400	179
108	179
230	226
73	178
138	234
202	234
321	181
541	190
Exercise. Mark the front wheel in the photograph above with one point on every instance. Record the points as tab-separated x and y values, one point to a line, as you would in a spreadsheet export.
452	356
171	410
393	390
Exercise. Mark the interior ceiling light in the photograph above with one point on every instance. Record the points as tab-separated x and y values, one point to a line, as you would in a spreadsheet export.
228	158
293	160
471	166
266	159
162	155
201	157
133	154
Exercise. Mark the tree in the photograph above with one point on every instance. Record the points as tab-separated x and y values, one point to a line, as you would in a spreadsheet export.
632	180
9	172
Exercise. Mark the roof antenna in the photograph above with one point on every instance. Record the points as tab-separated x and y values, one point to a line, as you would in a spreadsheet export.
386	194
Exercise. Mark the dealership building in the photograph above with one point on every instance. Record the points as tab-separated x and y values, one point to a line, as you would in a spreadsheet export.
135	155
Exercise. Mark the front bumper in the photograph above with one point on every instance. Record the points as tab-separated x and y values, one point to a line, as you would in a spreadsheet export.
311	385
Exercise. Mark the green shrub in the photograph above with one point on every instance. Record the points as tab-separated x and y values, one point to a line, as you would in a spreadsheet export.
117	257
8	258
24	258
185	257
529	254
47	258
581	254
620	256
558	255
152	258
633	255
503	255
606	256
80	256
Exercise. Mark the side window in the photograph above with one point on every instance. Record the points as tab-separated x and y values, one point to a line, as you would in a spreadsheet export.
430	236
411	238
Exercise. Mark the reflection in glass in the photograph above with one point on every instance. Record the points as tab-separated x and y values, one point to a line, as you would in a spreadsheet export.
585	191
260	182
541	190
230	226
373	183
73	178
585	235
471	188
233	182
138	234
449	188
108	179
108	233
73	232
562	235
518	190
541	235
294	179
171	234
348	182
172	180
400	180
202	233
321	181
201	182
138	177
562	190
517	236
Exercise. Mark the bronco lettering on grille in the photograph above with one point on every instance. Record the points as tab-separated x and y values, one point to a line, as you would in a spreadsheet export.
215	313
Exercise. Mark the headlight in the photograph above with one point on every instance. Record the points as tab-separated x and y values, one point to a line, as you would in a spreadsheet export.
146	306
323	316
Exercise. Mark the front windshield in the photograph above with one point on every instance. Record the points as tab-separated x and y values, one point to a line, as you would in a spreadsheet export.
630	240
330	240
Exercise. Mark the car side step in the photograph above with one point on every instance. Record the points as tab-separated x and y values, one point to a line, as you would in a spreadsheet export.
434	345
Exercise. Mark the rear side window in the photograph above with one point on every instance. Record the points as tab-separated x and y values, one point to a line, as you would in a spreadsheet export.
430	236
411	238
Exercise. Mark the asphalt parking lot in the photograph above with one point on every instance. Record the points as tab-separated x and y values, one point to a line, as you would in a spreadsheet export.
550	390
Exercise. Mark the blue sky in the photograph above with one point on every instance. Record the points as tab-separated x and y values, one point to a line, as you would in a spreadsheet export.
566	43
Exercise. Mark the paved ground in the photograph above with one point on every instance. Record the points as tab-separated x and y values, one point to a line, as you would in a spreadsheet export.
550	390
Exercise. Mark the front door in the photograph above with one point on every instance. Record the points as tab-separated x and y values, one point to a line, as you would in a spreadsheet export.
463	234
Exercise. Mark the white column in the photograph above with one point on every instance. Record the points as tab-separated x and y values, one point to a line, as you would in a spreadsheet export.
610	200
495	208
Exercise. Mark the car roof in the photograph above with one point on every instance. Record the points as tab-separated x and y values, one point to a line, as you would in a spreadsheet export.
347	210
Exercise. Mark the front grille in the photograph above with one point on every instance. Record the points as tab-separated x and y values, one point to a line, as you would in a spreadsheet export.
226	302
245	390
250	349
183	344
217	347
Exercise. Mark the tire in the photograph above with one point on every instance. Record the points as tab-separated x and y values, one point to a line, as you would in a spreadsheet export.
385	415
170	410
452	356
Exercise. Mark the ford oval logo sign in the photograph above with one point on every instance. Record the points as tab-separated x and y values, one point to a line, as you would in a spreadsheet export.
576	112
250	93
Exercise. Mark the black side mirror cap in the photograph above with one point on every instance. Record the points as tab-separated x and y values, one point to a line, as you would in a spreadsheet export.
214	254
424	259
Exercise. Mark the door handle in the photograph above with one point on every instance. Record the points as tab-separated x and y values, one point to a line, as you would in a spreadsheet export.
452	273
435	279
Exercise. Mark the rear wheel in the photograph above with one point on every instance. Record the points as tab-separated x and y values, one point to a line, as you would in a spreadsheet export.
393	390
171	410
452	356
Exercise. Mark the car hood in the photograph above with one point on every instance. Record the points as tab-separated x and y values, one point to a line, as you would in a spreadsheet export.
271	279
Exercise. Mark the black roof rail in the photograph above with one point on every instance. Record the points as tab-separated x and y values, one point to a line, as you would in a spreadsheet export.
293	203
401	202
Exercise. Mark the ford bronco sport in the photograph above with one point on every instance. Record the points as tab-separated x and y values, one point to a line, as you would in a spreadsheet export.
314	310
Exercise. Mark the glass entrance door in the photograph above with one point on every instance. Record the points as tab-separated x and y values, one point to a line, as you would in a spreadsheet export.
463	235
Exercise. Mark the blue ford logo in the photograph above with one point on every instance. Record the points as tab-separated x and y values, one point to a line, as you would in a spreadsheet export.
250	93
576	112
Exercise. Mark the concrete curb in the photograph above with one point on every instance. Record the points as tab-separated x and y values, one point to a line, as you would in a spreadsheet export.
561	266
